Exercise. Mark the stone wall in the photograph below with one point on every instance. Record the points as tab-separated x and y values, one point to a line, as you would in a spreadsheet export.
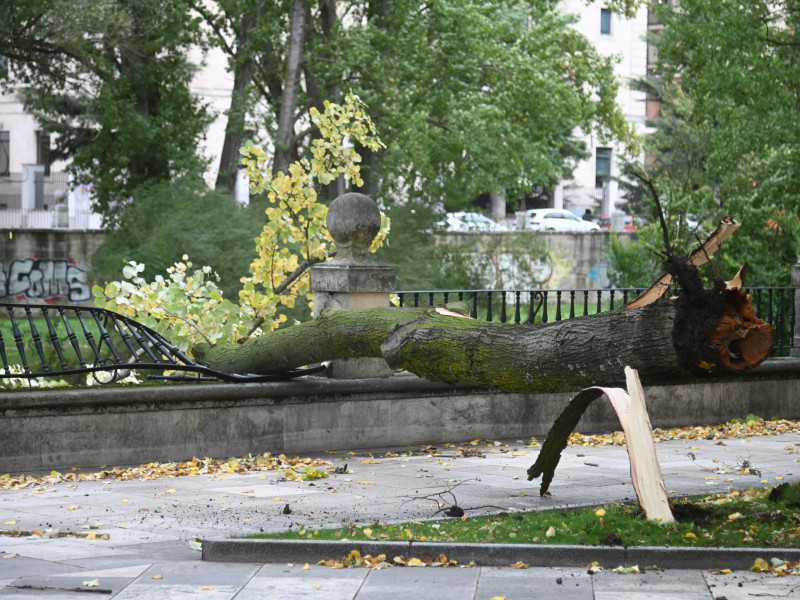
46	265
570	261
44	430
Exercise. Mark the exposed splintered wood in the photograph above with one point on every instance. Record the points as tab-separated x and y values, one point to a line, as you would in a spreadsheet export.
740	338
699	256
648	481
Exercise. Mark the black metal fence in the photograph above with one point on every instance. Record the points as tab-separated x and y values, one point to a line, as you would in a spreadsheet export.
775	305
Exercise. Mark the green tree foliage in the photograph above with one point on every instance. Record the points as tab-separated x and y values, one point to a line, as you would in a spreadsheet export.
469	96
474	96
111	78
728	139
165	221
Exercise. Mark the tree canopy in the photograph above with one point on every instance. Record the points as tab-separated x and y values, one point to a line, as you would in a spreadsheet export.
470	96
727	141
111	79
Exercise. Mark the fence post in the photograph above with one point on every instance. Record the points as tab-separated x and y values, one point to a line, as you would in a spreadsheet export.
352	279
795	351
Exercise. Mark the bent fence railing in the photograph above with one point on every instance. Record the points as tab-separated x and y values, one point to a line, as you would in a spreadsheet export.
46	341
776	305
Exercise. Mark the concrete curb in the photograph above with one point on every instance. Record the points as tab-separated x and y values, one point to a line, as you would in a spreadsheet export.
312	551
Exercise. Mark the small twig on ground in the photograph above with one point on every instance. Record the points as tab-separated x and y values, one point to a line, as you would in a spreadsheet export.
63	589
450	509
788	594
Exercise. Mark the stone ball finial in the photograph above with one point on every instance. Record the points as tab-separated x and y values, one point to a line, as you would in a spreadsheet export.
353	222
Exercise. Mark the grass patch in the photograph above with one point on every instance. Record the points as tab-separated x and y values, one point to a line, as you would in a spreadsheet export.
759	517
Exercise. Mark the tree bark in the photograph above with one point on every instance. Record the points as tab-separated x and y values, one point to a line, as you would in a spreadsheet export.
286	118
560	356
229	160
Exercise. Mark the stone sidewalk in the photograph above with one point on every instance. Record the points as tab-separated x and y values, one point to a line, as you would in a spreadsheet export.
149	525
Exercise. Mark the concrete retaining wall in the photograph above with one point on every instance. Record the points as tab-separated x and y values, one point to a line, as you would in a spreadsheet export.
47	265
47	430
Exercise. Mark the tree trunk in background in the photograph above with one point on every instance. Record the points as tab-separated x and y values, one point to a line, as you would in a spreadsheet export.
286	118
229	160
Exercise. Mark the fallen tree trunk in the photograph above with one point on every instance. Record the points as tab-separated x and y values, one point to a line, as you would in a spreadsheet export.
664	341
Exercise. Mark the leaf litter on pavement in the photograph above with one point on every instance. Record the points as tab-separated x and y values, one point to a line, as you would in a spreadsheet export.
304	469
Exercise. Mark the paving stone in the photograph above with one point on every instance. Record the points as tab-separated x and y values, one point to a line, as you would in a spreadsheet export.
674	584
564	584
744	585
292	582
414	583
23	566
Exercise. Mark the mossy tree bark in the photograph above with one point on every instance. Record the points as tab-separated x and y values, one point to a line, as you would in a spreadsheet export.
664	341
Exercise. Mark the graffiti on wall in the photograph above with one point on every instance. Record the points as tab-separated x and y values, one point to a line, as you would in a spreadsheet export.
48	280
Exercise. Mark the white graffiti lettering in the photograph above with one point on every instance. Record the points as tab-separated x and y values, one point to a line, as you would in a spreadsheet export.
44	279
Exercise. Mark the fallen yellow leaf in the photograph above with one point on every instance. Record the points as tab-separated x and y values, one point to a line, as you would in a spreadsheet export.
600	512
520	565
691	535
759	565
206	587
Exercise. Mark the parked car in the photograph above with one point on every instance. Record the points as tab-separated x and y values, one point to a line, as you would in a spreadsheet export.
468	221
605	223
557	219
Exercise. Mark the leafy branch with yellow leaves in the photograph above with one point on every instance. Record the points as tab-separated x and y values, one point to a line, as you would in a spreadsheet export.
188	307
295	236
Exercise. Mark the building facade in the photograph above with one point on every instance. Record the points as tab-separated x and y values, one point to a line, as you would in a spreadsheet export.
593	185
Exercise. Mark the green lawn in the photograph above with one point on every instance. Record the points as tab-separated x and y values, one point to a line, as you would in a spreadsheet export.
732	519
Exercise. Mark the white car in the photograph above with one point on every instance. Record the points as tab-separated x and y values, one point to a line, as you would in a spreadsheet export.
468	221
557	219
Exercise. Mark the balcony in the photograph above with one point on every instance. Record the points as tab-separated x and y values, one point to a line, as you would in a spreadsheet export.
33	200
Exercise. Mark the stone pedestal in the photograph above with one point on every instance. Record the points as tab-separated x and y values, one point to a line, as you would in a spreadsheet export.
352	279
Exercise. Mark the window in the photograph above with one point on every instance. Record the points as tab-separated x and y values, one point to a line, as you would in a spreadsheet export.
605	21
5	146
43	150
602	167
